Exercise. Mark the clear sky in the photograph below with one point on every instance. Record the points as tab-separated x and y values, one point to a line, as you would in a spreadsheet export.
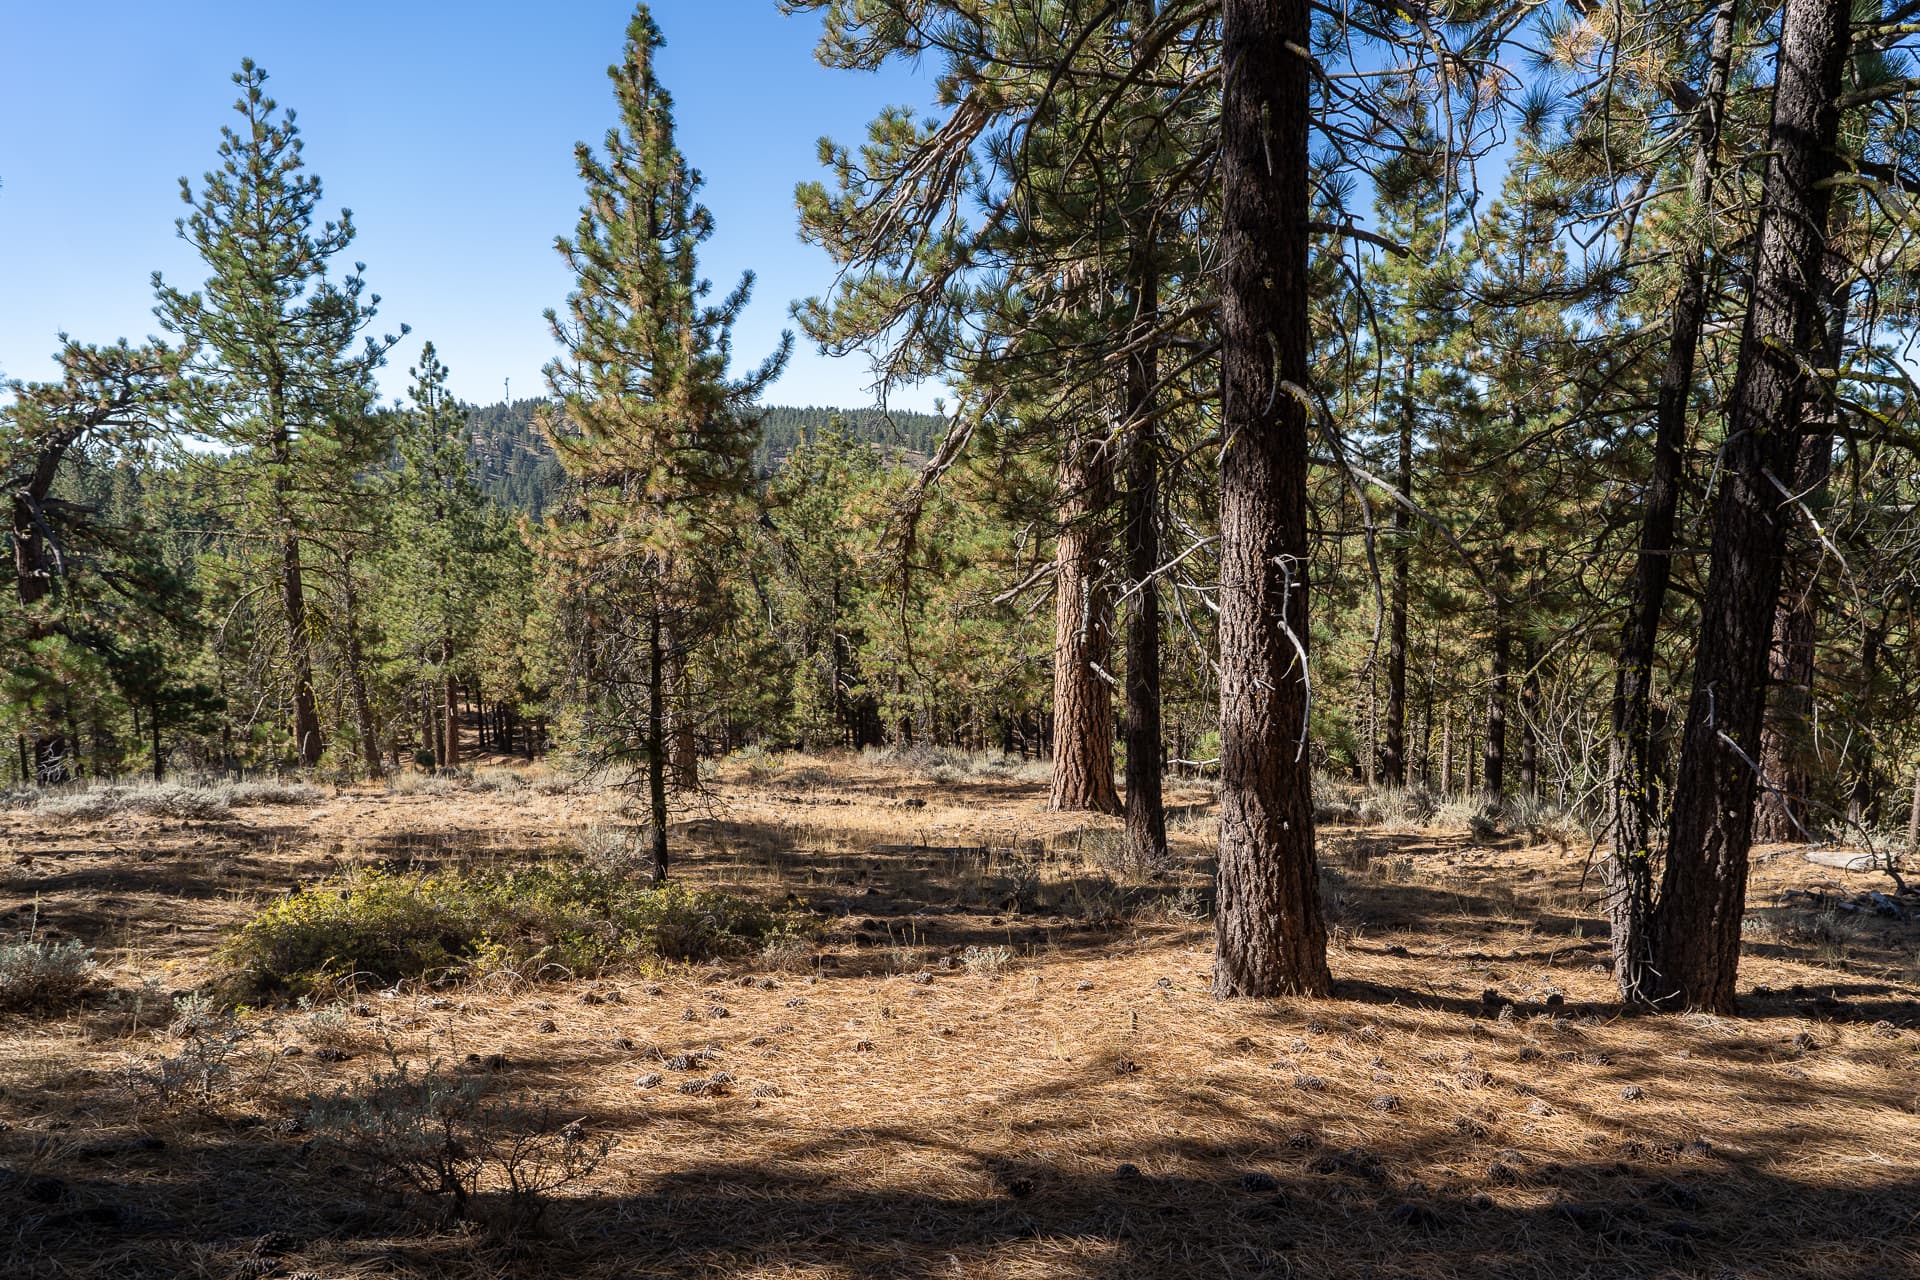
447	129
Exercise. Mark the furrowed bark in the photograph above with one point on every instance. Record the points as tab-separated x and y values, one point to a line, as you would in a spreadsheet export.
1627	871
1696	931
1270	939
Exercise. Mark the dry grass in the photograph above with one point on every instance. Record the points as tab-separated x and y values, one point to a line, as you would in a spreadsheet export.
1002	1060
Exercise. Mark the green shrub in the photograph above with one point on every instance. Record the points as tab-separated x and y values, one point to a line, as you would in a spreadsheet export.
384	928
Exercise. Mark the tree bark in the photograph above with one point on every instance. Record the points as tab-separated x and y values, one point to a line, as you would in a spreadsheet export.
1393	755
1083	639
1146	754
1494	783
1696	932
306	707
1786	734
1627	872
1269	936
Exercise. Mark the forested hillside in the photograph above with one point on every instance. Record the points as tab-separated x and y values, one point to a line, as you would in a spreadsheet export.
518	470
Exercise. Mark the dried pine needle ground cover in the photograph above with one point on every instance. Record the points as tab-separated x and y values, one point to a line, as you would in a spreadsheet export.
1000	1059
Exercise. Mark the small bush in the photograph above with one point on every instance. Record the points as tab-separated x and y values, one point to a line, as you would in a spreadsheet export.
987	961
449	1144
157	799
1398	806
44	975
274	793
426	784
211	1040
198	801
499	780
385	928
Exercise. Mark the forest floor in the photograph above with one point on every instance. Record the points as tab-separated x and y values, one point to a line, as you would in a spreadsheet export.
1002	1059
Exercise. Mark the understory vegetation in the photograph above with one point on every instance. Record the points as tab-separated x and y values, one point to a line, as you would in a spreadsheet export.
374	927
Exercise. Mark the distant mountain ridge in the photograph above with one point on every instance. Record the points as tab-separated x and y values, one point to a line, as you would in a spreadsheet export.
517	469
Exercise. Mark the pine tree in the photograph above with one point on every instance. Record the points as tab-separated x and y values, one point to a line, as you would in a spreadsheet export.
659	439
1696	930
1269	936
276	373
439	562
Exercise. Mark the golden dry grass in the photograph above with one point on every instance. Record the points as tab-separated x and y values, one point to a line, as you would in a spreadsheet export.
1086	1110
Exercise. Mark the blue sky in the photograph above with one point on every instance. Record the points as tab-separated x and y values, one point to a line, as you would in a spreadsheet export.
447	129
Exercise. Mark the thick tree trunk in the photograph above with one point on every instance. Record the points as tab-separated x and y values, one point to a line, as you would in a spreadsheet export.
1393	756
1269	936
1627	872
1696	931
1146	755
1083	639
1786	734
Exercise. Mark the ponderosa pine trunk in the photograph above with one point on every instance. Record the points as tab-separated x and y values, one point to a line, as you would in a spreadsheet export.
1786	732
1393	755
306	705
1627	871
1270	939
1146	755
1083	638
1696	928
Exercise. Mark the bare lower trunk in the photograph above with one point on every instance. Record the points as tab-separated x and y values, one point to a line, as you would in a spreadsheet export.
1270	938
1495	781
1393	756
657	742
1083	641
357	681
1696	931
306	708
1146	756
450	706
1787	745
